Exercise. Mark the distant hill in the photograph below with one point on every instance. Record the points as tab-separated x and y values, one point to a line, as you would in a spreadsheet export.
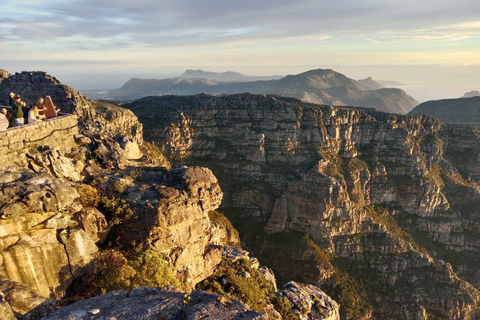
473	93
229	76
372	84
461	110
322	86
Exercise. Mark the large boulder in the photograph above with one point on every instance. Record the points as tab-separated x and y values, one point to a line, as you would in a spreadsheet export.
171	215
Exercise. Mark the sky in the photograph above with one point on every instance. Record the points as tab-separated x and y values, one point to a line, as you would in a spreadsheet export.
431	47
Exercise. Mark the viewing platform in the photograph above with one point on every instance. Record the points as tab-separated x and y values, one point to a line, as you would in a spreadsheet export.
58	132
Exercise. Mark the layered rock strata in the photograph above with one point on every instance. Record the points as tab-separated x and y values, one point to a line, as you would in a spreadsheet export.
171	216
46	236
388	200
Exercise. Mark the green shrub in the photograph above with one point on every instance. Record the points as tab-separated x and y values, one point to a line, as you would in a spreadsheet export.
89	196
230	281
283	306
112	270
119	186
152	270
117	210
232	233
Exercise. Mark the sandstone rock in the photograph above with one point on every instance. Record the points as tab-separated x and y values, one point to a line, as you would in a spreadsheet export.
42	243
36	192
23	299
6	311
309	302
155	303
4	74
372	188
54	162
171	216
94	224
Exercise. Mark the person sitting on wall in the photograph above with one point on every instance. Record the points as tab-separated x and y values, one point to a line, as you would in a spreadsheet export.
33	116
3	122
25	110
17	111
12	98
41	108
9	116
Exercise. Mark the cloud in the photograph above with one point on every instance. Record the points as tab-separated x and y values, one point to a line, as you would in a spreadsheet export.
193	22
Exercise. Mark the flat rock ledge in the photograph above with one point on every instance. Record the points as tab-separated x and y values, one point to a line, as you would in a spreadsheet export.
156	303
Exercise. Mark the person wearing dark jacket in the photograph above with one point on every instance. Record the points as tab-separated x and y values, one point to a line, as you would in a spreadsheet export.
12	99
17	111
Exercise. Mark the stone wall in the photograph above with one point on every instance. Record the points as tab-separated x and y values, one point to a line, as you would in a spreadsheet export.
58	132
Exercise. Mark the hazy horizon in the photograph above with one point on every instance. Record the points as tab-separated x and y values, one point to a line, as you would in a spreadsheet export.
422	82
432	47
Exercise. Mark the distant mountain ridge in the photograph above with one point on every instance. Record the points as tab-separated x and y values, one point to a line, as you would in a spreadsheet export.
473	93
229	76
321	86
372	84
461	110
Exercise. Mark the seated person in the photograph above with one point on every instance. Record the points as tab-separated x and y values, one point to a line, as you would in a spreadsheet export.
3	122
25	110
33	116
9	116
41	108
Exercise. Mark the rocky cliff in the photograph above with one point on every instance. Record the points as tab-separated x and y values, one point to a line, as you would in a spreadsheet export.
380	209
98	209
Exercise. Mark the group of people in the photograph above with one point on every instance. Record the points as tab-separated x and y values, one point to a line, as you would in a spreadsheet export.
21	113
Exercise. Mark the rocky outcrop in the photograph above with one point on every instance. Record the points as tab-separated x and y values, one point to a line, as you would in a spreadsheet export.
32	85
156	303
172	217
4	74
52	223
309	302
109	135
20	301
387	202
46	235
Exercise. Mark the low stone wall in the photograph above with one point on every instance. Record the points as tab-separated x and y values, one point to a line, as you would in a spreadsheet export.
57	132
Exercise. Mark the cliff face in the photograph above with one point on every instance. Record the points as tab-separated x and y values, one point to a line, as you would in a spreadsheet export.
83	183
171	216
385	204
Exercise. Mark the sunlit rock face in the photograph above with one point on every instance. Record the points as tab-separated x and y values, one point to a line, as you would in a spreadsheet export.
171	216
46	236
390	200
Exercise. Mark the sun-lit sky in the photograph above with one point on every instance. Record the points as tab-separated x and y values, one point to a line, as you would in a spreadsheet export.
101	44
